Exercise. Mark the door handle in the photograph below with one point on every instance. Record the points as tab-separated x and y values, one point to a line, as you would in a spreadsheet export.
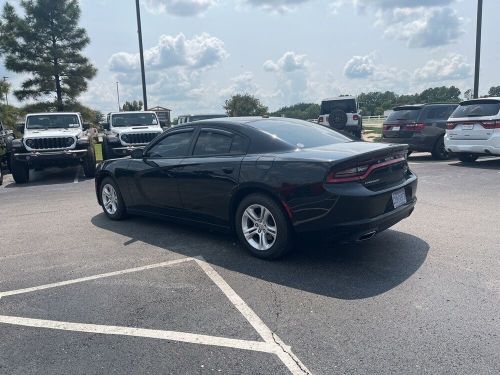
228	170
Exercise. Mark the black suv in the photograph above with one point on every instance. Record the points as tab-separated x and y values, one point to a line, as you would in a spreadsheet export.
421	126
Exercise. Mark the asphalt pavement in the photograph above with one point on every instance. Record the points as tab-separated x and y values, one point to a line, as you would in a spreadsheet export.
80	294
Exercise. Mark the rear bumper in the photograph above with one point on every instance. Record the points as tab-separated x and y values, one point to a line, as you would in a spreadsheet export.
487	147
357	211
50	155
416	143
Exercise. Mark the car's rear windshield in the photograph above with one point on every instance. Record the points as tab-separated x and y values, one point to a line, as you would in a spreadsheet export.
52	122
346	105
404	114
301	134
477	108
134	119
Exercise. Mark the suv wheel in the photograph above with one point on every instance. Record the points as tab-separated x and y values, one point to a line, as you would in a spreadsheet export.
467	157
89	167
1	175
439	151
112	201
20	171
262	227
337	119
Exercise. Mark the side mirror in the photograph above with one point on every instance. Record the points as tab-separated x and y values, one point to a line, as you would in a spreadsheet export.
86	126
138	153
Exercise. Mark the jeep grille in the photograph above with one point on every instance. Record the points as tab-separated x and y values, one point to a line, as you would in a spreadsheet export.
138	138
50	143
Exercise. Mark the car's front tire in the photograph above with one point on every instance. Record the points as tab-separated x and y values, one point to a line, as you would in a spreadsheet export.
262	227
111	200
439	151
467	157
20	171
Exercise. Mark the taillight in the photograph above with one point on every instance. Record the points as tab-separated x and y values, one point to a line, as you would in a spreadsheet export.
320	119
361	172
415	127
491	124
355	117
386	127
450	125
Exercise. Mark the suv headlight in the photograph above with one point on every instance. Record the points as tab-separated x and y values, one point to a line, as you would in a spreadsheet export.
69	141
30	143
125	138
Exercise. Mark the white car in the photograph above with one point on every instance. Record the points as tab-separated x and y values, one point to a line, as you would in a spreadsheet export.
473	129
341	113
127	131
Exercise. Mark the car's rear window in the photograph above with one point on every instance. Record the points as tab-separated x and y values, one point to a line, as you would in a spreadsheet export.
301	134
404	114
477	108
346	105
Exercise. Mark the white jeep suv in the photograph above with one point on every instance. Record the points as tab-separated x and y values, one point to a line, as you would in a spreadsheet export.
341	113
473	129
127	131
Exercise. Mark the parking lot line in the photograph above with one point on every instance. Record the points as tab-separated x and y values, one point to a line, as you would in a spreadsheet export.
94	277
77	176
271	344
190	338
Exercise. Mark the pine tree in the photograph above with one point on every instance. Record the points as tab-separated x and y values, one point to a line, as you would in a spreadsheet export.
46	43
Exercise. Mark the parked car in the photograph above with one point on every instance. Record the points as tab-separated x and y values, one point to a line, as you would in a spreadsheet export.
266	178
185	119
421	126
342	113
52	139
127	131
474	129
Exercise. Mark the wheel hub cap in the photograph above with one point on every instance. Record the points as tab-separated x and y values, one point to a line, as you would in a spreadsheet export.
259	227
109	199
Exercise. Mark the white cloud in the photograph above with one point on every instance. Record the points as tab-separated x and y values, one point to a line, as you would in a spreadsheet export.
279	6
289	62
183	8
452	67
201	52
359	67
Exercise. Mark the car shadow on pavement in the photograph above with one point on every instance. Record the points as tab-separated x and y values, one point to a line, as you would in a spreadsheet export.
349	271
50	176
481	163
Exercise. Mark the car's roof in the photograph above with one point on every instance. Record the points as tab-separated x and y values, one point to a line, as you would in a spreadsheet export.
420	106
127	112
205	114
486	99
339	98
53	113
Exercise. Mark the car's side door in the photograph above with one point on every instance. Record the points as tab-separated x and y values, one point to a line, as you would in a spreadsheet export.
210	175
154	182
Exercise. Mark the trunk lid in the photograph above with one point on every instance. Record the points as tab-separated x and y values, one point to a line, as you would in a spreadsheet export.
474	120
402	122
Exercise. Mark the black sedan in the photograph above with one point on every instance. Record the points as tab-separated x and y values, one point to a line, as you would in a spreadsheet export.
267	179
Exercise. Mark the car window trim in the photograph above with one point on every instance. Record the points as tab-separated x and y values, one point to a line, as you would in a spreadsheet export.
221	131
166	135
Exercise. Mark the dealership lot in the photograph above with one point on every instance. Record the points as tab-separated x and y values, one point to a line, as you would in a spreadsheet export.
81	294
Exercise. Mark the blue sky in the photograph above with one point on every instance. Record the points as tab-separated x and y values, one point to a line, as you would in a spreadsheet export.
200	52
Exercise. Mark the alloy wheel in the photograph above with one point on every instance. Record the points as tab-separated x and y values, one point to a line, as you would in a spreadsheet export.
109	199
259	227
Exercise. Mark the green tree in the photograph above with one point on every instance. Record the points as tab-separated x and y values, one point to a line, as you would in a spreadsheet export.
244	105
4	90
132	106
46	43
302	111
441	94
375	103
494	91
468	94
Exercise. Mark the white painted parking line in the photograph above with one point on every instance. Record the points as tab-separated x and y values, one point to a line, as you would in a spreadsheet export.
271	344
77	176
191	338
94	277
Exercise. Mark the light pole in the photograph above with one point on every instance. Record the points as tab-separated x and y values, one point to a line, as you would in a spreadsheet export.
141	54
118	95
478	47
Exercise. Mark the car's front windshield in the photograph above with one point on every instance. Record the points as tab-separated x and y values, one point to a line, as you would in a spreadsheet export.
52	122
134	119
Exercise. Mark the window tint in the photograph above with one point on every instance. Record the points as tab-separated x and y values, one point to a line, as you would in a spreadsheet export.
172	146
477	108
211	142
301	134
346	105
404	114
439	112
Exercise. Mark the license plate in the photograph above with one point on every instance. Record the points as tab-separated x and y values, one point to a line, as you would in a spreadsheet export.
398	198
467	127
395	128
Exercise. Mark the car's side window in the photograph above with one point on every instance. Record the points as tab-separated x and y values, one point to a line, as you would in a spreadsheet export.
172	146
218	142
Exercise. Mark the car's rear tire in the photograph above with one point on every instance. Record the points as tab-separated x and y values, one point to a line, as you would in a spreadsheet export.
262	227
1	175
467	157
111	200
20	171
89	167
439	151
